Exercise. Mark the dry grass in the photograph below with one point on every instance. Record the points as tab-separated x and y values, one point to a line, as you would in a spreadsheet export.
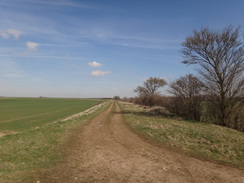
200	139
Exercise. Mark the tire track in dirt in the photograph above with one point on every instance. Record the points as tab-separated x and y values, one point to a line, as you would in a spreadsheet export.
107	151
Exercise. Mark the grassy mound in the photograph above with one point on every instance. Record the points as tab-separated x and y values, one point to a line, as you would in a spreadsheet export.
203	140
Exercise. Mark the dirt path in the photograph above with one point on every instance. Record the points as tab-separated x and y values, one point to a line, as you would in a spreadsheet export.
107	151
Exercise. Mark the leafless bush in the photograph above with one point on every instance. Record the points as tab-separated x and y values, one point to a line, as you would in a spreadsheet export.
158	110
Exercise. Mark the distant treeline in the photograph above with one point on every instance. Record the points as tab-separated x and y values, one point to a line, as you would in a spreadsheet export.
203	110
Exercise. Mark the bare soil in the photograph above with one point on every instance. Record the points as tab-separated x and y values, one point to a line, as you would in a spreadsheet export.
107	151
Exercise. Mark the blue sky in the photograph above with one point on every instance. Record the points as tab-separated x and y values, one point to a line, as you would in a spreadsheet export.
100	48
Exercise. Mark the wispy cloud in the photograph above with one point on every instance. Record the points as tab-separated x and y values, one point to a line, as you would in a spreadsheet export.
91	32
15	33
64	3
147	42
94	64
4	34
11	33
100	73
10	69
51	4
32	46
112	36
50	57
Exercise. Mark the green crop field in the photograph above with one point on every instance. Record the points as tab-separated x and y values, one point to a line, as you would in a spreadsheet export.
18	114
24	155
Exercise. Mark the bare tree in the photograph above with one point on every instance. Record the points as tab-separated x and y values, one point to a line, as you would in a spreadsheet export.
151	85
220	56
149	88
116	97
188	91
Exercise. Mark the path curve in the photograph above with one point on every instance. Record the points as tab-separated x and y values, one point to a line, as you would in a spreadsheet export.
107	151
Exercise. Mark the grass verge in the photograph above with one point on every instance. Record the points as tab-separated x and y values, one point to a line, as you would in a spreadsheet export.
25	153
203	140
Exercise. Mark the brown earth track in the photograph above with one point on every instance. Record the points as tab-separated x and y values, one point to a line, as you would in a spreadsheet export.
107	151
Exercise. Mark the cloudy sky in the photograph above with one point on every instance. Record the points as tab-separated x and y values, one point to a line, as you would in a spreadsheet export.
94	48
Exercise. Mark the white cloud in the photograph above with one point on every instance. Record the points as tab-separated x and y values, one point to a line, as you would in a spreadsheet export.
94	64
11	32
15	33
100	73
32	46
4	35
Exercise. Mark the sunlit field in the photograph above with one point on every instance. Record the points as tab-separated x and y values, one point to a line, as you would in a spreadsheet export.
18	114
